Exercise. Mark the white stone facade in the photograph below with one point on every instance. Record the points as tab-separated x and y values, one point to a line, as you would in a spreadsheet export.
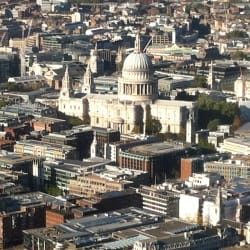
137	97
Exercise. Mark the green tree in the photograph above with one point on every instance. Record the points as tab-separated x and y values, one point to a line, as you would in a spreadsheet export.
3	103
213	124
74	121
205	147
52	189
200	81
213	113
239	55
153	126
136	129
237	34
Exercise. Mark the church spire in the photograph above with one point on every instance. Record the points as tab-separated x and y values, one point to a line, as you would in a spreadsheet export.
66	89
66	80
137	43
88	86
93	147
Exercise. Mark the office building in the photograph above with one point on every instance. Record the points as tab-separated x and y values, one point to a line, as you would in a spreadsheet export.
158	199
160	160
41	150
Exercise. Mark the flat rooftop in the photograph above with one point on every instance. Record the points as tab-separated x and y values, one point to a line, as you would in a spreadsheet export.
77	166
96	225
48	145
158	148
14	158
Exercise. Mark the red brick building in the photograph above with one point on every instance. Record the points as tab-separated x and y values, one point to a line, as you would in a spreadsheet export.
49	124
13	223
190	166
54	216
113	200
17	131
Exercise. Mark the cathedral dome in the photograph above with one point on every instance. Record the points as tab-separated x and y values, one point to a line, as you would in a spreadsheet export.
137	66
137	82
136	62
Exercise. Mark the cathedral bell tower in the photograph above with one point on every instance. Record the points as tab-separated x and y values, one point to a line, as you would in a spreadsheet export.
88	83
66	88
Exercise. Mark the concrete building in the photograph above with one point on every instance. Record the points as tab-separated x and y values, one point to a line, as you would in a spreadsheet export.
59	173
105	180
174	81
158	199
79	137
235	145
190	208
16	161
160	159
238	166
99	227
113	200
203	180
41	150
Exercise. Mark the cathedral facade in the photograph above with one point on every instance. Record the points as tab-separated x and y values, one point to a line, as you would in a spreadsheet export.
136	101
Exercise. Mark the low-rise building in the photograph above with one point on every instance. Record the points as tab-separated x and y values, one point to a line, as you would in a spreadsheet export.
235	145
108	179
159	199
45	151
61	173
238	166
79	137
36	110
203	180
89	231
190	166
49	124
160	160
109	201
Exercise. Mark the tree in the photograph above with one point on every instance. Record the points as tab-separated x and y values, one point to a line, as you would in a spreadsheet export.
52	189
156	126
200	81
153	126
221	111
205	147
213	124
74	121
136	129
3	103
237	34
237	122
239	55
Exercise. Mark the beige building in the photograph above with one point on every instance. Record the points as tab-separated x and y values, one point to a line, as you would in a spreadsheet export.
235	145
92	184
137	99
47	151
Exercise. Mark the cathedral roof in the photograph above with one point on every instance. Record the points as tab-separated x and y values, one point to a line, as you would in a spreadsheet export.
137	61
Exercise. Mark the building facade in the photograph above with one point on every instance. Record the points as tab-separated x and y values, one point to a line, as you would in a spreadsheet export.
158	200
137	99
